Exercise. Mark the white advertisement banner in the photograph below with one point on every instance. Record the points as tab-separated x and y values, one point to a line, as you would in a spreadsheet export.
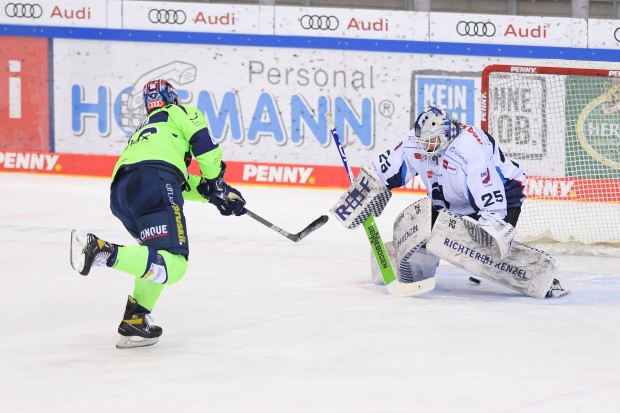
262	104
197	17
351	23
316	22
70	13
604	34
514	30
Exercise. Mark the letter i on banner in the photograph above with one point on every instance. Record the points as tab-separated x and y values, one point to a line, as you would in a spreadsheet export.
15	90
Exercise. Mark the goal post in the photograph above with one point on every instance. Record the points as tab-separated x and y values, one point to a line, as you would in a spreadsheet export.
563	125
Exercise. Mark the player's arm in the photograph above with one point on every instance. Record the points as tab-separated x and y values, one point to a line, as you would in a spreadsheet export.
205	150
210	184
391	166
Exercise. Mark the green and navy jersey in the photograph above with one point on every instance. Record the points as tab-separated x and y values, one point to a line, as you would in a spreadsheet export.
166	137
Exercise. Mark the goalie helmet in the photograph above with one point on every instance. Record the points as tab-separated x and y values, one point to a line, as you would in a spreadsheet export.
159	93
435	123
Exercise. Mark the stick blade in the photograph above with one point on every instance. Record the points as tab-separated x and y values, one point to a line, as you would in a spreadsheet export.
401	289
314	225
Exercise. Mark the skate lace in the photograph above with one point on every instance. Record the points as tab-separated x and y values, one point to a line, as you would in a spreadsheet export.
148	322
101	258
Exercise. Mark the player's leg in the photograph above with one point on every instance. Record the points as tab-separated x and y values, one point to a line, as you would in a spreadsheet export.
162	257
525	269
150	205
407	250
512	216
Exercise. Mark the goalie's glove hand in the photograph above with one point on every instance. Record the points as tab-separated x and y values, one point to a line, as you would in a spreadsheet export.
226	199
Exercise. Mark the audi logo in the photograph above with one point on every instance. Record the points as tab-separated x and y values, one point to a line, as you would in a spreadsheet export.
167	16
480	29
23	10
309	22
617	34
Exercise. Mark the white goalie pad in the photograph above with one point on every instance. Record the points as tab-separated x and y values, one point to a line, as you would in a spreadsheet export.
375	272
490	232
412	227
525	269
366	196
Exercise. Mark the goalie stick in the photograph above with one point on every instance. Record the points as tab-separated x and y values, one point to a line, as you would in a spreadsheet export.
394	286
313	226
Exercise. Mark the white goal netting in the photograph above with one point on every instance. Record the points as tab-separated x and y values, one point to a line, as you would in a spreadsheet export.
563	125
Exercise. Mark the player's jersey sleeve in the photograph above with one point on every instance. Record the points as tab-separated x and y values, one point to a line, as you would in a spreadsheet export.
203	148
191	193
393	167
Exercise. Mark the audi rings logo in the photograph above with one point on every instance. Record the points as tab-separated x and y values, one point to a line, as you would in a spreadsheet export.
309	22
480	29
23	10
167	16
617	34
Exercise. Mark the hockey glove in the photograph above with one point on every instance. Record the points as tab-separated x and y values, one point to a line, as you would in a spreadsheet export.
226	199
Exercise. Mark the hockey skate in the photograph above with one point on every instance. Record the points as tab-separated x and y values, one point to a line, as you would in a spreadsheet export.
88	250
556	290
136	329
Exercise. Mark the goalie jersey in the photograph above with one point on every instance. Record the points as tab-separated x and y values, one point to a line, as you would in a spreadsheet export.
472	177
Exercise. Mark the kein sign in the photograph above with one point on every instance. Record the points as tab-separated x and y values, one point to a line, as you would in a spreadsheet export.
454	94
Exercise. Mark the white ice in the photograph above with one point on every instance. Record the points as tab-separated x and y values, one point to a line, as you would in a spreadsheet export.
262	324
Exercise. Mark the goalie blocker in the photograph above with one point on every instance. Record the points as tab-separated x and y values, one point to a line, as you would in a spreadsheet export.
525	269
366	196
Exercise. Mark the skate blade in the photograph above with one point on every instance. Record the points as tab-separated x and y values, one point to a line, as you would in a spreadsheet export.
135	341
77	258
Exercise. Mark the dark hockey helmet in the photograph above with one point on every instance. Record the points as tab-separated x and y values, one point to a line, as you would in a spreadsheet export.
159	93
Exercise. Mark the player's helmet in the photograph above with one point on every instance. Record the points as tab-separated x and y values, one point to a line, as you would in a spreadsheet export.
435	123
159	93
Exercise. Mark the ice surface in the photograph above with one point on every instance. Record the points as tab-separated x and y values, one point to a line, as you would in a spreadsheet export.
261	324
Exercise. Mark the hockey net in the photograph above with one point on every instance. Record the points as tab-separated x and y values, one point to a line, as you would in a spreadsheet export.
563	125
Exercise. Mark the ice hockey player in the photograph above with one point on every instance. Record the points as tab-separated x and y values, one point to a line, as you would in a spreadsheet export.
476	195
150	183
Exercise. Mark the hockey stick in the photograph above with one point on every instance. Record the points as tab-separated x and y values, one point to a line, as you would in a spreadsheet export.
394	286
313	226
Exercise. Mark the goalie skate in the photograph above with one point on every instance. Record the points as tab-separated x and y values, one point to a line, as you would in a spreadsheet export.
556	290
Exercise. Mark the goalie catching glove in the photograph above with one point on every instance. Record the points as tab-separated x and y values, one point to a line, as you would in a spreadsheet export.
366	196
226	199
489	232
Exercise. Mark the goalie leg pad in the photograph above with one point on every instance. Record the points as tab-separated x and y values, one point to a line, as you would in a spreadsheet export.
489	232
525	269
375	272
366	196
412	227
417	266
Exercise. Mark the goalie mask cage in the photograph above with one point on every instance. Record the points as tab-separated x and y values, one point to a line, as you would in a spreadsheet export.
563	125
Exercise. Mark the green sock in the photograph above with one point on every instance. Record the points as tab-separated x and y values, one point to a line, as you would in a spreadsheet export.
132	260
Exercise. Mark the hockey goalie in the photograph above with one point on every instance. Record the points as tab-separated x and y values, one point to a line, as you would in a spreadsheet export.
475	194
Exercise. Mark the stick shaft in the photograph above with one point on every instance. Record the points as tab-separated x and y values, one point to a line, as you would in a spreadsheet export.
394	286
316	224
372	232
